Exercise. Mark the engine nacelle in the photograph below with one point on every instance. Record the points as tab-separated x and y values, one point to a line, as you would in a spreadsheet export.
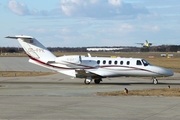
69	59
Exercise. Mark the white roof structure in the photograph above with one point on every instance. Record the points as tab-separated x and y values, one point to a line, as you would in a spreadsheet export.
103	49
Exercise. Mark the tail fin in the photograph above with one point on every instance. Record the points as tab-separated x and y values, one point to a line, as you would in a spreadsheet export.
146	41
34	48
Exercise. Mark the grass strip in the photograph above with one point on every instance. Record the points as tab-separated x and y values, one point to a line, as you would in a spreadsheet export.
168	92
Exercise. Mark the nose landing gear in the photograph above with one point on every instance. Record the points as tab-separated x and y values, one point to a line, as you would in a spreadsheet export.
155	81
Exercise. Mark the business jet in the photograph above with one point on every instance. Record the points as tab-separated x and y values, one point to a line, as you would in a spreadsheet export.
88	67
145	44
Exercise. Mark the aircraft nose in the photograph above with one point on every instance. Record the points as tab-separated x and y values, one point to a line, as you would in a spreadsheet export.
166	72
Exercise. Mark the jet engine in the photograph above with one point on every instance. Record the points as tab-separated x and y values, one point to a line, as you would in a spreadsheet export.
75	59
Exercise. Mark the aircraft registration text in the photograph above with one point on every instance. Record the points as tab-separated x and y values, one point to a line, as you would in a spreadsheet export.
35	50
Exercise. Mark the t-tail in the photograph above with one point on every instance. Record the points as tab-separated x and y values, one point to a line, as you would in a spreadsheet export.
34	49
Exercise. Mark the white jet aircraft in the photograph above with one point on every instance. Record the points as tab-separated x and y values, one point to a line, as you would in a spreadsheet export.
90	68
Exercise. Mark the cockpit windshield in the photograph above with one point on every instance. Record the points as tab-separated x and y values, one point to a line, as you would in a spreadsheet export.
146	63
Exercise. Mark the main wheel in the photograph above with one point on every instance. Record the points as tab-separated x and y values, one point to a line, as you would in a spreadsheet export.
87	82
97	81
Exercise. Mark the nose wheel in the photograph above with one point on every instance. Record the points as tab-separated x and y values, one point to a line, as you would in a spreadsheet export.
155	81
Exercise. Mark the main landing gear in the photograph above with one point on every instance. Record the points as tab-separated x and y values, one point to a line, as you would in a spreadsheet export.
88	81
155	81
97	81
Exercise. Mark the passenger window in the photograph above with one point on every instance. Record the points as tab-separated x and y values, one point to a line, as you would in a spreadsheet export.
98	62
121	62
128	62
115	62
104	62
138	62
110	62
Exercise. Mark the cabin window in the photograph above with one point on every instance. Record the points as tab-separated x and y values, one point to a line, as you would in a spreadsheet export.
115	62
121	62
98	62
110	62
128	63
104	62
138	62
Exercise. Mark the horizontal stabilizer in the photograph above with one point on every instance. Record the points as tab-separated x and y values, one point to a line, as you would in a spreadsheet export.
19	36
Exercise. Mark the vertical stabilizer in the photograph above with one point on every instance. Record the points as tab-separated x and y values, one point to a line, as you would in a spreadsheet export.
34	48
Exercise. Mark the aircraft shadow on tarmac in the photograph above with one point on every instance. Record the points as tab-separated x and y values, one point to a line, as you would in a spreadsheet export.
79	83
140	83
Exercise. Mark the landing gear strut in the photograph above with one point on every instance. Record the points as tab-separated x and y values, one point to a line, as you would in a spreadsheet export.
155	81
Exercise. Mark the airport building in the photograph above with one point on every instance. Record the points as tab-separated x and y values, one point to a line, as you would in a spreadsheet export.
103	49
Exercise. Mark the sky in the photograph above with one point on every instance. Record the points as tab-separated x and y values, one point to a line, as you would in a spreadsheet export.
84	23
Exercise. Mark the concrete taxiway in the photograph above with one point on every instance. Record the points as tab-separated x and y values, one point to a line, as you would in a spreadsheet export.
19	64
60	97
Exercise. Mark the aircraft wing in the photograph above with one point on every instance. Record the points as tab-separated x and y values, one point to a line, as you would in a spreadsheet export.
84	74
140	43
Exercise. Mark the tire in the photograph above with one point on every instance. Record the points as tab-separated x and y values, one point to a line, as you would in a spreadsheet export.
86	82
97	81
155	81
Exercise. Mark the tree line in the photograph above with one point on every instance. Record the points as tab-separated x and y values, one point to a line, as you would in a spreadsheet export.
162	48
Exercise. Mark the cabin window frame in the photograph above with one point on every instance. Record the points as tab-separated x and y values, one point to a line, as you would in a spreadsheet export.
121	62
98	62
110	62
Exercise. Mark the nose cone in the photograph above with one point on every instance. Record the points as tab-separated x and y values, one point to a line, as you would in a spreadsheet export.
165	72
168	72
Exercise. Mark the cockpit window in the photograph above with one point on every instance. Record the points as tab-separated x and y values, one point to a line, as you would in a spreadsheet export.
146	63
